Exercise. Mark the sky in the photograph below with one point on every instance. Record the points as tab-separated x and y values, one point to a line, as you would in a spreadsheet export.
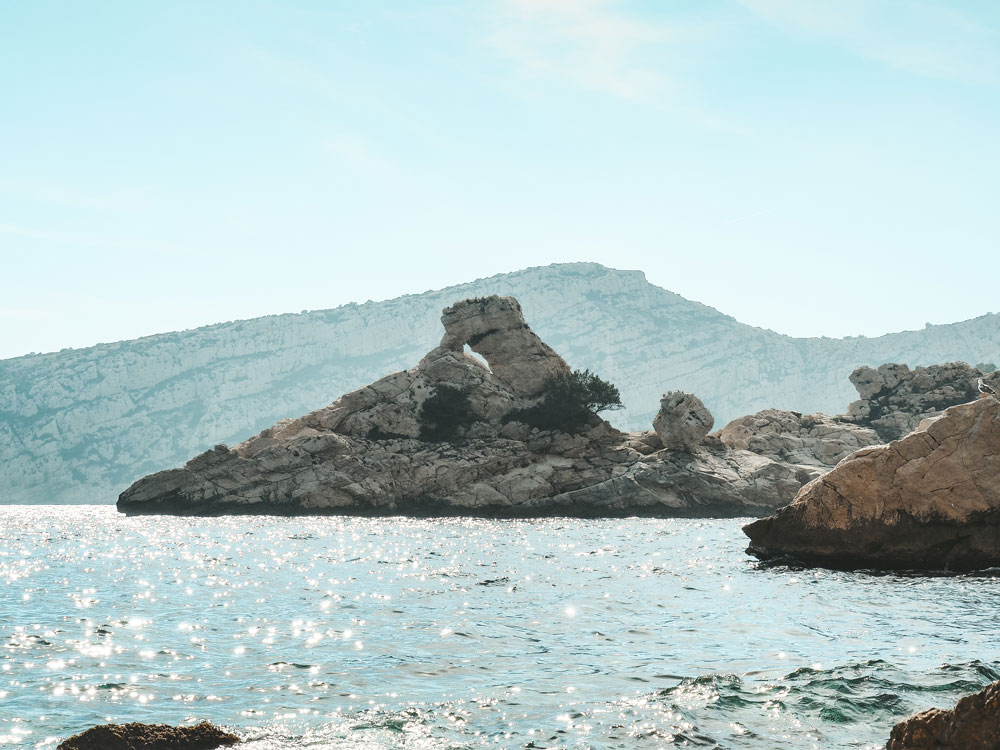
818	168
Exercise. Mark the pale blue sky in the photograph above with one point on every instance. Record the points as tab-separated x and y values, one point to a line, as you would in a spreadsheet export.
827	167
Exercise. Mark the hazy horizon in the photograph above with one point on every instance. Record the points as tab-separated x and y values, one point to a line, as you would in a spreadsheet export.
818	171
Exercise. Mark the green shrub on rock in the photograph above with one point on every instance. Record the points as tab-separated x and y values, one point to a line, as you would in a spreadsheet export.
569	403
444	412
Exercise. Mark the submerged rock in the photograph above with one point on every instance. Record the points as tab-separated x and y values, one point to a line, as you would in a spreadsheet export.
930	501
974	724
447	437
136	736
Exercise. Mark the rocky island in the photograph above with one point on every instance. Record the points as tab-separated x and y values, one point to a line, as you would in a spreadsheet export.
457	434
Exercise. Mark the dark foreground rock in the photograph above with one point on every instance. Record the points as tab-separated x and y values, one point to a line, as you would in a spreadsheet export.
456	436
930	501
974	724
202	736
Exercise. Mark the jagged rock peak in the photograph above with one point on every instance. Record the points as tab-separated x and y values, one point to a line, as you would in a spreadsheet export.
894	398
494	327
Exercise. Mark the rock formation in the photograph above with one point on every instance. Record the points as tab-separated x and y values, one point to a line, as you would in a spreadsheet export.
804	439
973	724
895	399
929	501
683	421
80	425
453	436
136	736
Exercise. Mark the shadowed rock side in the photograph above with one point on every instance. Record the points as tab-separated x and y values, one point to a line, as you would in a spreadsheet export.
442	438
929	501
202	736
974	724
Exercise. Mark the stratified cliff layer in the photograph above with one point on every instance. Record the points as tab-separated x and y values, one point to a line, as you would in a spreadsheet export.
80	425
454	435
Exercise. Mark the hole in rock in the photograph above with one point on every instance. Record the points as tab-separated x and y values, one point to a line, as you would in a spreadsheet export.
479	357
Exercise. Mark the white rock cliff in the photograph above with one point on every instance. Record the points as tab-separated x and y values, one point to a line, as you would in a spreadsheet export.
81	425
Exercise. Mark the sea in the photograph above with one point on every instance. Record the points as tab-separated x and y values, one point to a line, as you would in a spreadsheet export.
327	632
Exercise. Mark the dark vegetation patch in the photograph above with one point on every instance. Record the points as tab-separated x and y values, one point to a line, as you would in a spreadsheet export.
445	412
570	402
475	339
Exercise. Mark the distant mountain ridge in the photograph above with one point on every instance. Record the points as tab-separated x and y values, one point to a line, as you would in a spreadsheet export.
81	425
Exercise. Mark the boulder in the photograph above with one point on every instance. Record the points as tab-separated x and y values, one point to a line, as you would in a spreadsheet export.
805	439
929	501
683	421
136	736
444	438
973	724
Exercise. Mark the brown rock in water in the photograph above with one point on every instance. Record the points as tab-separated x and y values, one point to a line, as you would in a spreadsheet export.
444	438
136	736
974	724
930	501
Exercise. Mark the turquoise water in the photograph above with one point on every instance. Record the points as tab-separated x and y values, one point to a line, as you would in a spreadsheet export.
386	633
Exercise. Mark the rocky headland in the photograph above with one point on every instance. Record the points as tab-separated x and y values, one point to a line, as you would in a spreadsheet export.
457	434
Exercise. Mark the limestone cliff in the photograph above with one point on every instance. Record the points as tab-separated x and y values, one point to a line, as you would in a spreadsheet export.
80	425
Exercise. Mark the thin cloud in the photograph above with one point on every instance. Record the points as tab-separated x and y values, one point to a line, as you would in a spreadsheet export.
589	43
930	40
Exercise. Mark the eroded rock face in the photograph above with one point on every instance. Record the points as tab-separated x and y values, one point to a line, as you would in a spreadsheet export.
683	421
929	501
974	724
202	736
894	398
805	439
494	327
370	452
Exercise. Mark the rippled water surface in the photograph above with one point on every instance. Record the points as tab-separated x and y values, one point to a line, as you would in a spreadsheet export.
385	633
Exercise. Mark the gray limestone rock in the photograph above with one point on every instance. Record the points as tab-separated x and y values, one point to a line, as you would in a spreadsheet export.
682	421
805	439
369	452
894	398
